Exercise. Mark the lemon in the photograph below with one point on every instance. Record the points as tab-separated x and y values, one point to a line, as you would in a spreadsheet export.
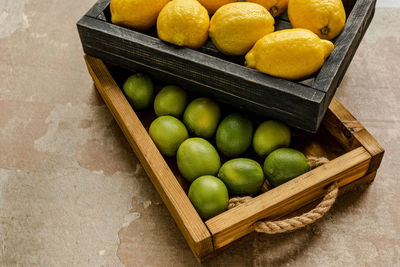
213	5
139	90
242	176
168	133
171	100
290	54
201	117
197	157
269	136
236	27
184	23
136	14
234	135
275	7
209	196
284	164
326	18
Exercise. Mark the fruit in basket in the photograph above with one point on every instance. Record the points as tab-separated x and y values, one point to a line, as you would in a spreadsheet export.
213	5
137	14
236	27
201	117
326	18
275	7
168	133
269	136
284	164
234	135
184	23
209	196
197	157
171	100
242	176
139	90
291	54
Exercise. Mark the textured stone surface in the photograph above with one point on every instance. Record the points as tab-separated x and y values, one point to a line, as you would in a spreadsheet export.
73	194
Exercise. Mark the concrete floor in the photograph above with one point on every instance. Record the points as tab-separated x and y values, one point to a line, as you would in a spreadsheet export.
73	194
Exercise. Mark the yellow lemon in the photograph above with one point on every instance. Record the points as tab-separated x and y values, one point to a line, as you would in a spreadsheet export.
275	7
213	5
236	27
137	14
290	54
326	18
184	23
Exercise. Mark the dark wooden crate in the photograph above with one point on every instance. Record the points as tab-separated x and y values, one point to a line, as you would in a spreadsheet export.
301	104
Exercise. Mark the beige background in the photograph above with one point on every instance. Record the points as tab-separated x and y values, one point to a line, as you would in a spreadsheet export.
73	194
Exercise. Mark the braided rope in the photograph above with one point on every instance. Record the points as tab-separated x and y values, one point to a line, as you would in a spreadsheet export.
315	162
291	224
236	201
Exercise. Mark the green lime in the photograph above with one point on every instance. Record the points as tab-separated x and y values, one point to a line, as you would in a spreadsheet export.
284	164
168	133
171	100
139	90
234	135
209	196
269	136
242	176
197	157
201	117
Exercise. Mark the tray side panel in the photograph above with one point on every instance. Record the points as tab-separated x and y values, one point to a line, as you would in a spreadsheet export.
288	197
296	104
334	69
178	204
351	133
353	186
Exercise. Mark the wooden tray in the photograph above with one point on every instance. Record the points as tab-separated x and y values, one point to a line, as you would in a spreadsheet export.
301	104
353	153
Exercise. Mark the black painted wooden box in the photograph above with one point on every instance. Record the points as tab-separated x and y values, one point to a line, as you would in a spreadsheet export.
301	104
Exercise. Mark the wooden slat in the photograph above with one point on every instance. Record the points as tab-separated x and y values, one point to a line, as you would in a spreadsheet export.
351	133
97	8
363	181
178	204
346	44
231	83
235	223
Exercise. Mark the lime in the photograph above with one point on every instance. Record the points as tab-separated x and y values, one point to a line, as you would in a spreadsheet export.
197	157
171	100
234	135
201	117
284	164
242	176
269	136
209	196
139	90
168	133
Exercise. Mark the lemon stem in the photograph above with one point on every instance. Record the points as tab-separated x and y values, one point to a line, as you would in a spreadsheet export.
325	30
273	10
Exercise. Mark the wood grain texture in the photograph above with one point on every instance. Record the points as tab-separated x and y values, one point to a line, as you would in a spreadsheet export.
346	44
174	197
357	184
229	82
98	8
237	222
351	133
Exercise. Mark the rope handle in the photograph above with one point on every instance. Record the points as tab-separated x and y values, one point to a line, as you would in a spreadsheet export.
297	222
